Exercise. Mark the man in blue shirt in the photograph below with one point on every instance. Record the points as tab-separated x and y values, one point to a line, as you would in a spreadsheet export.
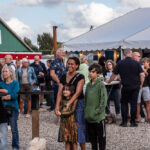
57	70
132	78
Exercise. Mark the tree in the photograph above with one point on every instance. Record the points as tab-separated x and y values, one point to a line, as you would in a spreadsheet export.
45	42
29	43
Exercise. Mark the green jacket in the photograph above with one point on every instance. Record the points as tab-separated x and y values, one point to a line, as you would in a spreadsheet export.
95	101
83	69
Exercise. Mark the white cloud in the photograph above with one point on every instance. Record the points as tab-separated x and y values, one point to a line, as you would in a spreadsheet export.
42	2
20	28
78	21
91	14
136	3
80	18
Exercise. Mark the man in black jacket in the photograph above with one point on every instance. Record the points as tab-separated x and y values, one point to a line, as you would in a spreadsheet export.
132	78
40	71
3	128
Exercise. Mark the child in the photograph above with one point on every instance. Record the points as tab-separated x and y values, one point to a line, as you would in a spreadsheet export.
68	124
94	111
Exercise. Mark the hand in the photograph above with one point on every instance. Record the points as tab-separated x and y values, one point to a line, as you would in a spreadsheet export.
106	80
66	107
7	97
32	83
57	112
41	74
3	91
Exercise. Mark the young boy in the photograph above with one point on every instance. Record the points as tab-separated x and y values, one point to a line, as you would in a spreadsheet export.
94	111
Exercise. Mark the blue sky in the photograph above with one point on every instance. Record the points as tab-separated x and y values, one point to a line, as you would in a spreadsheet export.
73	17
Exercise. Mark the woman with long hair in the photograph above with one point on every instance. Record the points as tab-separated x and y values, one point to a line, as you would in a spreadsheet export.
74	78
11	87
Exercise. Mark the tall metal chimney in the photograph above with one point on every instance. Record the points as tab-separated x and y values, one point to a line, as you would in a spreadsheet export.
55	39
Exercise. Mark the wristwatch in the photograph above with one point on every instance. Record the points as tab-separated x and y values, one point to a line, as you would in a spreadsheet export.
65	106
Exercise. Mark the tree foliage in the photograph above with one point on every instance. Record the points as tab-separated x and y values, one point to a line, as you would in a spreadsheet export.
45	42
29	43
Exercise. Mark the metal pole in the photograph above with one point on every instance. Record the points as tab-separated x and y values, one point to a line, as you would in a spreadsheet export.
55	39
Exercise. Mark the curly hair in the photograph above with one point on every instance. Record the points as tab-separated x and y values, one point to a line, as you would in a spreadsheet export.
110	61
12	73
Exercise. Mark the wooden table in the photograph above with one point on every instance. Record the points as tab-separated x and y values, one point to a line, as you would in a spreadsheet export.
35	110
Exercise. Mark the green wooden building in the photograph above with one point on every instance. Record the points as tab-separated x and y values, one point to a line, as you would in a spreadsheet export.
10	41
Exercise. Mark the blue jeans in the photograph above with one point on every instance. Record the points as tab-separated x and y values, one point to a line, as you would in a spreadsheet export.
3	136
116	96
52	100
14	129
55	89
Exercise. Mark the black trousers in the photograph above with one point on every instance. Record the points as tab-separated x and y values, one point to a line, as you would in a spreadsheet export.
97	135
129	96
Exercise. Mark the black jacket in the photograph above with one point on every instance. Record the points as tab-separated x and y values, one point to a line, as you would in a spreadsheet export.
3	113
39	68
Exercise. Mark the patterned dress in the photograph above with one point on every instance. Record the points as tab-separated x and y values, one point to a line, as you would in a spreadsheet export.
79	113
68	124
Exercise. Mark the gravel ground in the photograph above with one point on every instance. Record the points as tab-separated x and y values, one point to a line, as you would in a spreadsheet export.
118	138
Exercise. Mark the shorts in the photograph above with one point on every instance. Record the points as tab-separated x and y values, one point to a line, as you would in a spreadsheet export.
144	94
25	88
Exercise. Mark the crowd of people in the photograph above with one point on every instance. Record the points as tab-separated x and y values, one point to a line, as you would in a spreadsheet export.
82	95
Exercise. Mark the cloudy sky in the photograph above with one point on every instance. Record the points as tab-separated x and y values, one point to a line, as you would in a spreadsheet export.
73	17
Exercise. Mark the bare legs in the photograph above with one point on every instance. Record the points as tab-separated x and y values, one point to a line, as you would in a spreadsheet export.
138	112
82	145
148	110
70	146
21	106
28	106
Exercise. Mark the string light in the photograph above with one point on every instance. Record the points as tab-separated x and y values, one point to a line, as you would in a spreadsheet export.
80	54
99	54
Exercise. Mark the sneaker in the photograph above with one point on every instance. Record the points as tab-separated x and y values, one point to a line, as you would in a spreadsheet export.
123	124
133	125
142	120
9	127
20	115
117	116
27	115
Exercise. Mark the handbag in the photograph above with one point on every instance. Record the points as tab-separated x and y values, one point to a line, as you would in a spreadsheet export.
9	110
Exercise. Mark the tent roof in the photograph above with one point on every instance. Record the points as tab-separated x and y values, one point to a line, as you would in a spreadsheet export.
138	40
111	34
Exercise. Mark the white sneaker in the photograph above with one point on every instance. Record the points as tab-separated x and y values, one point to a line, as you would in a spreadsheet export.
117	116
27	115
142	120
9	127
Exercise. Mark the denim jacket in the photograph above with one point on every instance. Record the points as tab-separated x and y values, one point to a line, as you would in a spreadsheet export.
31	75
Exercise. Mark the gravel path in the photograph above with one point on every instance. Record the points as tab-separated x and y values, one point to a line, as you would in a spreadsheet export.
118	138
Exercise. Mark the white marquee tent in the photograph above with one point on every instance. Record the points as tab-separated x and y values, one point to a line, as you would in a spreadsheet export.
113	34
138	40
